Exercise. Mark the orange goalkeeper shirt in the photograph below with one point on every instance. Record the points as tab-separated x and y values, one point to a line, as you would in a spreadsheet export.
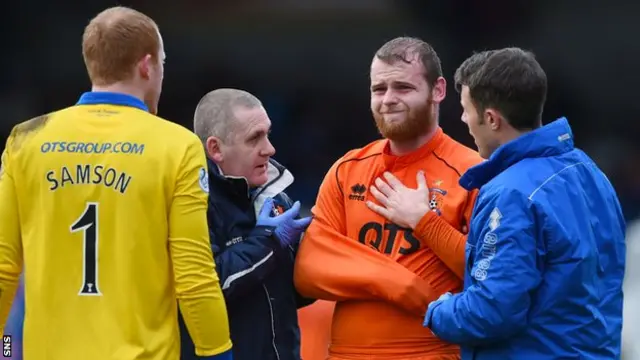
355	256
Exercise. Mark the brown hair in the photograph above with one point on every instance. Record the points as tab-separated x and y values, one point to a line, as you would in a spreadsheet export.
114	41
509	80
405	48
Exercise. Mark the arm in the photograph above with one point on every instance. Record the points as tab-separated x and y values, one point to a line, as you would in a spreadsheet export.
331	266
197	287
10	240
445	240
245	265
504	274
301	301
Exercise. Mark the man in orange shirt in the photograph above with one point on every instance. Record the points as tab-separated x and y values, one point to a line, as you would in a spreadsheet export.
382	274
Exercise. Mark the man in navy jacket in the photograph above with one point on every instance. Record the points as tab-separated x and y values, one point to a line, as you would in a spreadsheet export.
255	228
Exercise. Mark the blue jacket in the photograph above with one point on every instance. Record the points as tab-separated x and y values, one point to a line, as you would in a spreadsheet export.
545	256
256	274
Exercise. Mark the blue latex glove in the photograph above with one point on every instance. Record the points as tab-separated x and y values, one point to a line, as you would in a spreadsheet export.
287	229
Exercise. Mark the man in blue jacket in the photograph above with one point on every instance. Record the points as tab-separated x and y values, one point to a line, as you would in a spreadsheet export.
546	247
255	228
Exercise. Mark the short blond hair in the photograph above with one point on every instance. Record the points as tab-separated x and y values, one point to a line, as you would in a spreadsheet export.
114	41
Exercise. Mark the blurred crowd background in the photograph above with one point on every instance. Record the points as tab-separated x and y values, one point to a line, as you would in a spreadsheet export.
308	61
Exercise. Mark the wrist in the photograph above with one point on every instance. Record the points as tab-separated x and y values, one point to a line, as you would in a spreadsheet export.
421	216
428	218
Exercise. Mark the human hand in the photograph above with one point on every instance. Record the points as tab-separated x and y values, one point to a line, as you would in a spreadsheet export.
432	306
399	204
287	229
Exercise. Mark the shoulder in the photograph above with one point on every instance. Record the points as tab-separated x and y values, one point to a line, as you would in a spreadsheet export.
34	124
351	163
498	199
372	149
456	155
523	177
174	132
176	141
360	156
26	130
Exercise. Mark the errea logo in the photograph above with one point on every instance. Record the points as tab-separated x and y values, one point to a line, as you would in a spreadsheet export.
357	192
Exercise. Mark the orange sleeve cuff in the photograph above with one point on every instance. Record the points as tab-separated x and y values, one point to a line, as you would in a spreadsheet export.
445	241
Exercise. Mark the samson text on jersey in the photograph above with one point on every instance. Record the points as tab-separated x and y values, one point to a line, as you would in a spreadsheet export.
112	227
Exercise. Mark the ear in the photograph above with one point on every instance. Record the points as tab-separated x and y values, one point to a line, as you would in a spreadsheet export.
439	91
213	147
493	119
144	66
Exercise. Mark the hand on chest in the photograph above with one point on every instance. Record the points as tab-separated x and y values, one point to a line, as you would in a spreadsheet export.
440	193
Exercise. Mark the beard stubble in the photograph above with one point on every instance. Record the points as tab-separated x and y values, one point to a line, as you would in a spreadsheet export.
416	124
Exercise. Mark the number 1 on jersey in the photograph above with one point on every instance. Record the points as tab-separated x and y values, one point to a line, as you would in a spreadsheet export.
88	224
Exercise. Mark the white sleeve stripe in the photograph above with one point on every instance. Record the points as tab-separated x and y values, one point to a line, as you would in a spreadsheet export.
233	277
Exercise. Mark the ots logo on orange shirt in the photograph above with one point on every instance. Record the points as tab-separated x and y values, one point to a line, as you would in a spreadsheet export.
384	236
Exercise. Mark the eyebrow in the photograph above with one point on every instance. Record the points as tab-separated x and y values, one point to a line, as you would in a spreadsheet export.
394	83
402	82
259	132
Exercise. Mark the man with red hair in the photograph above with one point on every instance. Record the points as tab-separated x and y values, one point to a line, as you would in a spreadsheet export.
106	205
382	271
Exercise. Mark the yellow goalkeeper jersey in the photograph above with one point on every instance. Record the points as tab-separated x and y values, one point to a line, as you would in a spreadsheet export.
105	205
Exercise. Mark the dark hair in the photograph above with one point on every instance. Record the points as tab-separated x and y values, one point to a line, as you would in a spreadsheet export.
405	48
508	80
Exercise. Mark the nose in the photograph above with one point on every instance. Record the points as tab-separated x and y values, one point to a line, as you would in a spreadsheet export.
389	98
269	149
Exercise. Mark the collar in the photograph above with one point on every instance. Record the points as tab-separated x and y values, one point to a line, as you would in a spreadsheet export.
111	98
425	150
552	139
279	178
237	184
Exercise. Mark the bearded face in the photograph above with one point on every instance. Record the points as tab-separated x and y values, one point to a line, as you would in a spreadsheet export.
401	100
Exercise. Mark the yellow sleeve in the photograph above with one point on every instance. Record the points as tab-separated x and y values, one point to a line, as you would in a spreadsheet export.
10	240
197	285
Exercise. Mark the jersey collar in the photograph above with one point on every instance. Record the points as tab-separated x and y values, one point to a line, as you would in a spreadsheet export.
111	98
420	153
